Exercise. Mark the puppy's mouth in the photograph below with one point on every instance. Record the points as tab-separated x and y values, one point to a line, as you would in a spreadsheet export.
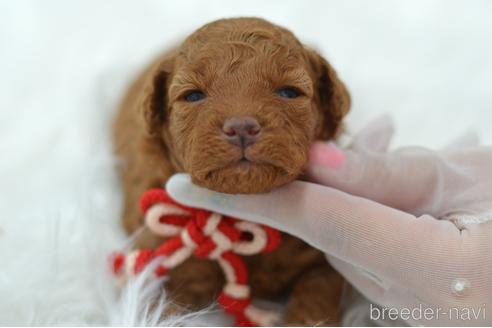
243	161
242	164
251	171
246	161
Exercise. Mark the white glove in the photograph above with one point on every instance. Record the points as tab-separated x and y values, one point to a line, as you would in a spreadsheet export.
409	229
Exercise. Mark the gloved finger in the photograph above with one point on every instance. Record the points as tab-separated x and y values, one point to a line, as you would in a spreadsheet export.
391	244
409	179
467	140
375	136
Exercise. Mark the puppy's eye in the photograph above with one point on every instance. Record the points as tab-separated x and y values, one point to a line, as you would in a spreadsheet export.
288	92
195	95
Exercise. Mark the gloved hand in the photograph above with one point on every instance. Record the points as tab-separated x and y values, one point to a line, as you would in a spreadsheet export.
409	228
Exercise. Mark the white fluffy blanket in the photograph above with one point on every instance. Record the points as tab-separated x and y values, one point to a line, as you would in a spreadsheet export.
64	65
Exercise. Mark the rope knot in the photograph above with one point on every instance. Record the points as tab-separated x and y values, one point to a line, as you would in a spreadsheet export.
204	234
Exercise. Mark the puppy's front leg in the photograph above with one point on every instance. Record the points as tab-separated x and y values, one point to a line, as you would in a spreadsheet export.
315	299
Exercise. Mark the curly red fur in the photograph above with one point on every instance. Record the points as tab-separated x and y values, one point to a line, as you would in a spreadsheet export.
239	64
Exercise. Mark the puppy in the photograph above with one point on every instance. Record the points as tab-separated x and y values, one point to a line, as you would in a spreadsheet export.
236	106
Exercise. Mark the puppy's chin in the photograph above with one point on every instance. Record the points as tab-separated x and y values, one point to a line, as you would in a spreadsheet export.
243	178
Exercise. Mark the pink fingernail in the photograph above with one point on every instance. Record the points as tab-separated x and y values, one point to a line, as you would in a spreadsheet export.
326	154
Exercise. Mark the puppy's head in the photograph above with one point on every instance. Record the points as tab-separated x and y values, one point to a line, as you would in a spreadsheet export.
239	103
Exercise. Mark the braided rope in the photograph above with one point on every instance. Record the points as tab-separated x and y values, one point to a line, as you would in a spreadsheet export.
203	234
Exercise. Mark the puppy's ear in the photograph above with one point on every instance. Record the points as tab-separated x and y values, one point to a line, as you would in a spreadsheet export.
331	95
154	101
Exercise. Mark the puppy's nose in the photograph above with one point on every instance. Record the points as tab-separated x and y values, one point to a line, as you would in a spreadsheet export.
241	131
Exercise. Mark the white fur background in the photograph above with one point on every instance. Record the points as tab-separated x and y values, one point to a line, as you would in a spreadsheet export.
64	66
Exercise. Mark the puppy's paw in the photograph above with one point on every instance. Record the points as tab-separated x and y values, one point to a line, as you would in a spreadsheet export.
194	284
315	299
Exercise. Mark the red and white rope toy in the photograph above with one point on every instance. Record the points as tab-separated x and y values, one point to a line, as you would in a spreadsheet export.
207	235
